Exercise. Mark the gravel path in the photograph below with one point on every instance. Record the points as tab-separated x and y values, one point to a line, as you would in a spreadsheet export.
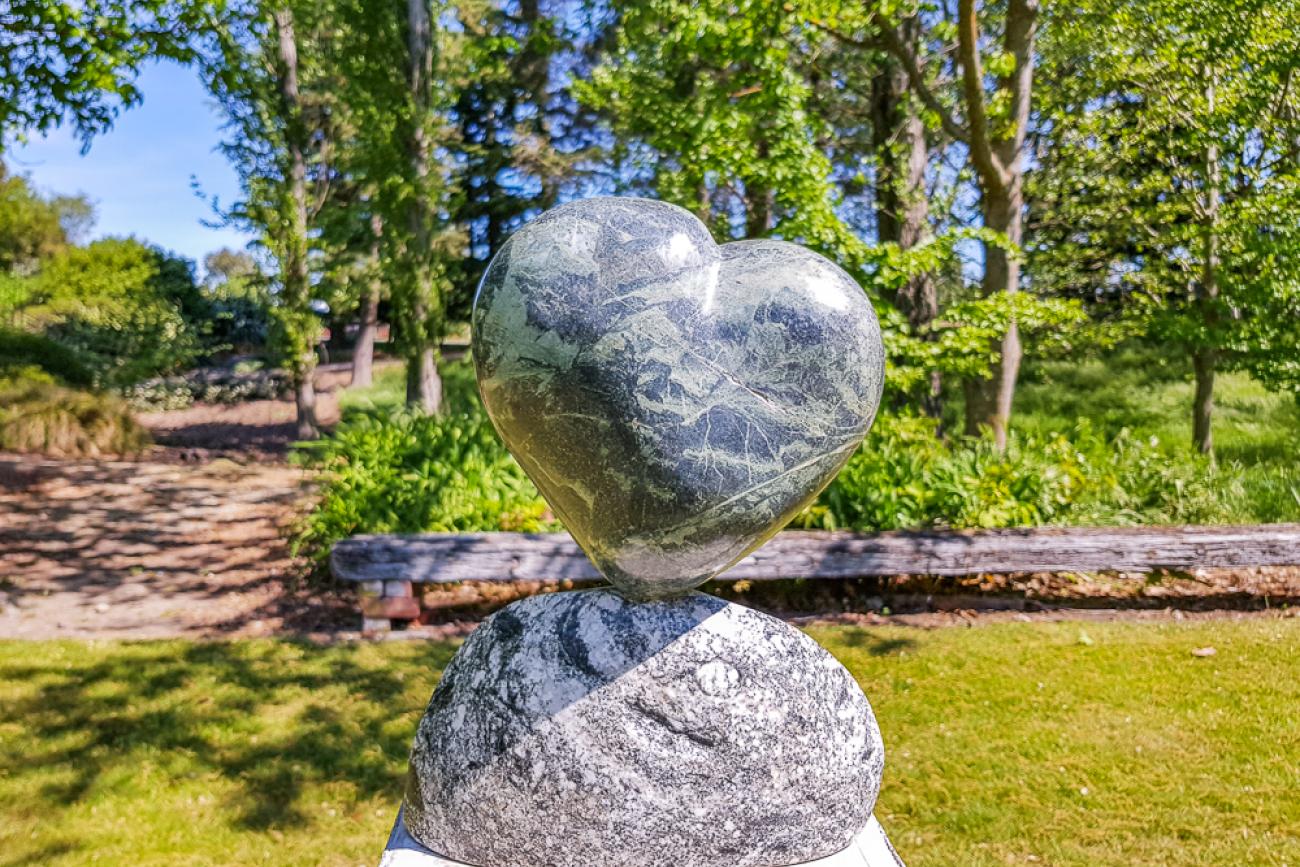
147	549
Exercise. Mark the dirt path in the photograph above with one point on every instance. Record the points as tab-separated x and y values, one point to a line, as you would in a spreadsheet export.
143	549
255	429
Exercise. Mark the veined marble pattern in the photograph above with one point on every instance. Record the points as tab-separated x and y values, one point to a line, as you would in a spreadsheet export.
581	728
675	401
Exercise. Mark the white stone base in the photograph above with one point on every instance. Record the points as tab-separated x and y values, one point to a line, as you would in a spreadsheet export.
870	848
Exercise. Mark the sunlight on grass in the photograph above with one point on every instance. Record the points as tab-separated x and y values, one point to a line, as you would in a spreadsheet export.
388	393
1004	742
1151	395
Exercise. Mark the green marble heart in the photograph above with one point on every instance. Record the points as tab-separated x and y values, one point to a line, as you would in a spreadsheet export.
675	401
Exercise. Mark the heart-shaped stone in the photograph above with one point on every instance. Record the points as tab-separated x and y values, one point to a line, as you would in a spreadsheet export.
676	402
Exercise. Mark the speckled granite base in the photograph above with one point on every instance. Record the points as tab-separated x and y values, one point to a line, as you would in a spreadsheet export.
675	401
871	848
578	729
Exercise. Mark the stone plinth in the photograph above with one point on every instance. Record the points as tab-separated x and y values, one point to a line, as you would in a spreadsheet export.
871	848
579	728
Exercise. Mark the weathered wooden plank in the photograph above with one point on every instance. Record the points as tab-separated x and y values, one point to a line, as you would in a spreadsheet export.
445	558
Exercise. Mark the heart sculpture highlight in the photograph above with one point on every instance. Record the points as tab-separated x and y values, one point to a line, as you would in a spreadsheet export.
675	401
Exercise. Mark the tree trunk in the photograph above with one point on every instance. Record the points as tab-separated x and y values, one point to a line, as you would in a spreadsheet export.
1205	358
305	400
1203	363
423	385
902	209
992	398
294	267
363	353
997	154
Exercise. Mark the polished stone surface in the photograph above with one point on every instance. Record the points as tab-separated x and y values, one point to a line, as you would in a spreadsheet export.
675	401
871	848
581	728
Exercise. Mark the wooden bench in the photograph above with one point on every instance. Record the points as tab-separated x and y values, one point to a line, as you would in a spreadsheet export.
387	568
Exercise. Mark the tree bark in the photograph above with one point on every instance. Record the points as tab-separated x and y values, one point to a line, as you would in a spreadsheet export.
998	158
305	399
294	266
1205	358
989	401
423	384
1204	364
902	209
363	353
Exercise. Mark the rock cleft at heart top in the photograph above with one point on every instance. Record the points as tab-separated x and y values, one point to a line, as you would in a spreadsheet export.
675	401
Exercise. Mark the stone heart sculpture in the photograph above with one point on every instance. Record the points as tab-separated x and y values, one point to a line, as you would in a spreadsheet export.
675	401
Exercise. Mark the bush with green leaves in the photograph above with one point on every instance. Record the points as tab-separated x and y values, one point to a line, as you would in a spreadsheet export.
413	473
905	477
19	349
120	305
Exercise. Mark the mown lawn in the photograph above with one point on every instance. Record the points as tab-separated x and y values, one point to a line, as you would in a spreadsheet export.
1049	744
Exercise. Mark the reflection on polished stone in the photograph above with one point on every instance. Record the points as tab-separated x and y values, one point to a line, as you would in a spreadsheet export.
675	401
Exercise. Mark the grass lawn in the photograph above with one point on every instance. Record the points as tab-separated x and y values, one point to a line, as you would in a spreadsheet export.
1151	394
1052	744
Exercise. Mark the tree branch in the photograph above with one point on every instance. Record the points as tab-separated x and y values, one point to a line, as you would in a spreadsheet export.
889	40
894	44
1022	22
986	162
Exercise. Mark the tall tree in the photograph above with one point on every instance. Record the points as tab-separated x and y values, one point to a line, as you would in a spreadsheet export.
424	284
255	65
993	61
520	135
1170	162
880	145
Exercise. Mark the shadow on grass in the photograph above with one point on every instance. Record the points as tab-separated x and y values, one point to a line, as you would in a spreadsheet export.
873	644
41	856
270	718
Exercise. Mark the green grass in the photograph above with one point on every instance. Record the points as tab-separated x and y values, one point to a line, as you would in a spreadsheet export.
274	752
388	392
1151	395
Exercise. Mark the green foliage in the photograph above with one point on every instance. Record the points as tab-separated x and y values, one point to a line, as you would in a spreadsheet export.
413	472
19	349
1170	178
77	61
33	227
905	477
713	93
37	415
117	304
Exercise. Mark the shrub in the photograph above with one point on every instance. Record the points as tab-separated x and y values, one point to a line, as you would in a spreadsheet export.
18	349
38	415
213	385
905	477
120	305
416	473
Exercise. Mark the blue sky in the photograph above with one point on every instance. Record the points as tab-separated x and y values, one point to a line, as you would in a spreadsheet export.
138	173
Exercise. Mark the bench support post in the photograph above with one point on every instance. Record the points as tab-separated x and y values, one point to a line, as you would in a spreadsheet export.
382	602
